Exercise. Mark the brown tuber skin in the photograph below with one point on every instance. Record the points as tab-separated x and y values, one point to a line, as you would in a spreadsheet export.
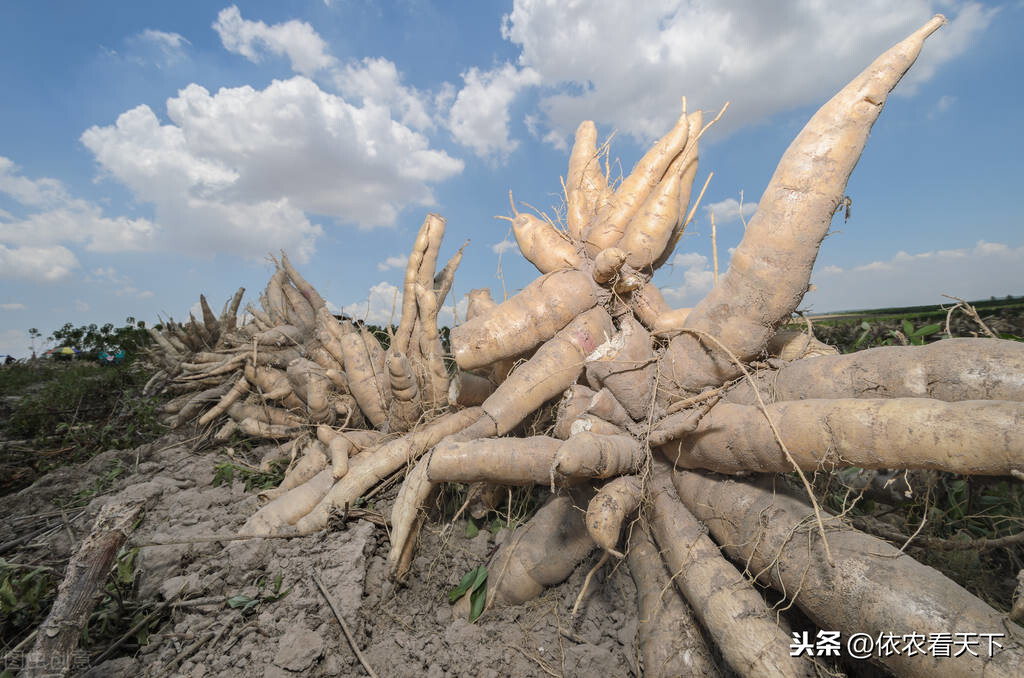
669	636
872	589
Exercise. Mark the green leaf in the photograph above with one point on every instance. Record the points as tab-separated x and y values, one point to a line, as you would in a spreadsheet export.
471	529
8	601
477	599
927	330
244	602
480	578
908	328
471	581
460	590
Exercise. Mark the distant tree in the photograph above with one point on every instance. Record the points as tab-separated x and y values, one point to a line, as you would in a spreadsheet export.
34	335
93	338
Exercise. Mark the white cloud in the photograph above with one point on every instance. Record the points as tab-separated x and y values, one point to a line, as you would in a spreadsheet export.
728	210
907	279
504	246
392	262
132	291
698	280
65	219
295	39
236	171
446	314
377	82
81	306
170	46
479	118
688	260
108	273
383	305
13	306
44	192
38	264
625	65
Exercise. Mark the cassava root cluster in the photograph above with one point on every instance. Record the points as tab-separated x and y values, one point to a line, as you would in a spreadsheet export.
649	399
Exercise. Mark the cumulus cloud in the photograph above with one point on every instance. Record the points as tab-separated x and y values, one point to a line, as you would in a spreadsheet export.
907	279
479	117
378	82
382	306
611	60
728	210
12	306
62	218
37	264
297	40
238	170
81	306
43	192
698	279
392	262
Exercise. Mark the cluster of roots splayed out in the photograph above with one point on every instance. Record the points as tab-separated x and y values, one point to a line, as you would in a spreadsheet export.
652	399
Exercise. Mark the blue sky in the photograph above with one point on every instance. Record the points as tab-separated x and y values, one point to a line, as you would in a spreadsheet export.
153	151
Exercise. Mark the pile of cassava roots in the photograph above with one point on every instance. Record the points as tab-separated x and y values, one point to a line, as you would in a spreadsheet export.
663	429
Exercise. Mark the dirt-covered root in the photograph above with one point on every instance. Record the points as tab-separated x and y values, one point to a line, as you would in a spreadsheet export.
770	269
406	517
586	186
608	510
574	402
651	173
979	437
591	455
626	366
791	345
553	368
951	369
728	606
504	461
543	245
651	309
670	639
874	588
365	471
542	553
526	320
469	389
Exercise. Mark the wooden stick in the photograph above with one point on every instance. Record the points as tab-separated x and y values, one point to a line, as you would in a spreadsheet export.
55	645
344	627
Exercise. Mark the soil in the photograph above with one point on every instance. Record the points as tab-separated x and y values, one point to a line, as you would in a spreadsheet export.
406	631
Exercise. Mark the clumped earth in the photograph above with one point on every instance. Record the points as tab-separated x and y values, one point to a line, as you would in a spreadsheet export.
408	631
